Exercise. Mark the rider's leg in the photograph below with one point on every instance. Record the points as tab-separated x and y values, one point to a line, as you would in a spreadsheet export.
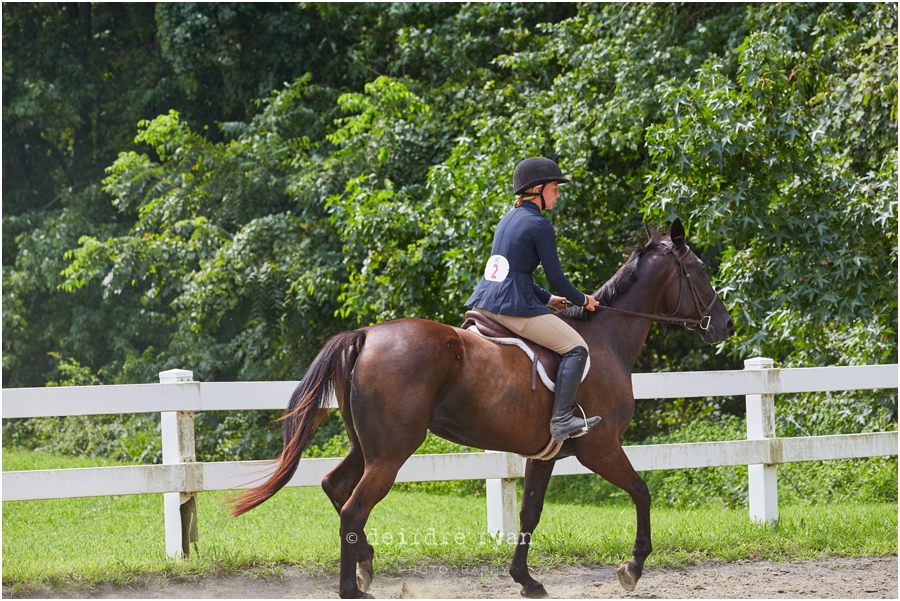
552	332
563	424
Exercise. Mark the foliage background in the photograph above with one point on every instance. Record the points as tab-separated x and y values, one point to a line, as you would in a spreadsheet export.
221	187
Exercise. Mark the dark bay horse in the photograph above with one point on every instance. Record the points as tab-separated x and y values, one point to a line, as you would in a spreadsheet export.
394	381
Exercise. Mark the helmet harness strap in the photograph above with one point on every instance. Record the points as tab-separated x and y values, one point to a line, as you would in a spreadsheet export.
541	194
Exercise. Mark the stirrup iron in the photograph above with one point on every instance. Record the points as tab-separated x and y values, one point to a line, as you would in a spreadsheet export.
586	428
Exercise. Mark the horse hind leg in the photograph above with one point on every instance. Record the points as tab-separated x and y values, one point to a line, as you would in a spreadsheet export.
373	486
338	486
537	477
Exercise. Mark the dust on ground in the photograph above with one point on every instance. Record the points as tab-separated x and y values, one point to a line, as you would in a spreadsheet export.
861	578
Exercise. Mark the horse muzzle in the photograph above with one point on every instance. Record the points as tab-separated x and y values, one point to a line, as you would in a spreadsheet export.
715	332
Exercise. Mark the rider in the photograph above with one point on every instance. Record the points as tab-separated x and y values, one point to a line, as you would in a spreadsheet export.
508	295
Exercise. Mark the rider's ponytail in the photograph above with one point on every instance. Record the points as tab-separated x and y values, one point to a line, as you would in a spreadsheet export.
526	195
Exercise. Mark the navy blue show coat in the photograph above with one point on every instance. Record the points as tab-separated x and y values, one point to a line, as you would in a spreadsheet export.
523	239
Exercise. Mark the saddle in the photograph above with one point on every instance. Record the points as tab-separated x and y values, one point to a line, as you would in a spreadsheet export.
542	359
544	362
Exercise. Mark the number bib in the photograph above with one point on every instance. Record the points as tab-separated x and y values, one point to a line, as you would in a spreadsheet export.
497	269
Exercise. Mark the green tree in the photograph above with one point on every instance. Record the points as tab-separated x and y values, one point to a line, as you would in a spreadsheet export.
789	165
232	237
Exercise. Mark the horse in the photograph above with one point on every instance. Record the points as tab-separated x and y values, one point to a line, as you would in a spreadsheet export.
395	381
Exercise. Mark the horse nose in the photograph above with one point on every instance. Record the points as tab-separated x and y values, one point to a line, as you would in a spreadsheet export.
729	327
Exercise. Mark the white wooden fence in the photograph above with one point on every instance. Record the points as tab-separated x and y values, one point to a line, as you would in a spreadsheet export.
181	477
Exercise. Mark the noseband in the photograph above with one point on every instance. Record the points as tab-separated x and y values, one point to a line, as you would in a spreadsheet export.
705	317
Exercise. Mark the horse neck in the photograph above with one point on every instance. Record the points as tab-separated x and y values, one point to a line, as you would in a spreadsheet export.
623	334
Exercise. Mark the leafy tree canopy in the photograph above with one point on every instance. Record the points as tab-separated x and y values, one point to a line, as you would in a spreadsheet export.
301	169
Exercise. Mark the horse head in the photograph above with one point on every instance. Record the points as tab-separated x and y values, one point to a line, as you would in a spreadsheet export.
684	287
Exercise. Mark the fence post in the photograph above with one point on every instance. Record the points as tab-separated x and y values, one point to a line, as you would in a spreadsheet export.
178	447
763	478
502	501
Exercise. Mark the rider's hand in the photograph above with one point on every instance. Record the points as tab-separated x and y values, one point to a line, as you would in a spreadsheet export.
591	303
558	303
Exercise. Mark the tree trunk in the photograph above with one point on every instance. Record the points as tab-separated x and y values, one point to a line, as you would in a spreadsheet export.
84	16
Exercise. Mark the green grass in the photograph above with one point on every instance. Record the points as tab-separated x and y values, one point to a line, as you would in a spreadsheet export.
79	542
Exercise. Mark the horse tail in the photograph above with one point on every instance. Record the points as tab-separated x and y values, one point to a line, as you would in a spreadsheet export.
329	371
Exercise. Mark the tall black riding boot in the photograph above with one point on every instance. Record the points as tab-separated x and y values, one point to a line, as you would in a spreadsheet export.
563	424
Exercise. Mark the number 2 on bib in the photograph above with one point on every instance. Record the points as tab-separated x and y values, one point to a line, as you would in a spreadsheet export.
497	268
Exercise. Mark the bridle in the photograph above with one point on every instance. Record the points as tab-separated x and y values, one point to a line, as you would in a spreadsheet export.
705	317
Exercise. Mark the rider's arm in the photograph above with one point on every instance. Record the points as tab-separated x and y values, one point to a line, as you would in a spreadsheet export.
545	243
542	294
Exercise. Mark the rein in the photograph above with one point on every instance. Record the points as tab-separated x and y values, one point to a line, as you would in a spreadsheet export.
705	318
685	321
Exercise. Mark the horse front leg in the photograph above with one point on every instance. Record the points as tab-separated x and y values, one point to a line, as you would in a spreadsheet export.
537	477
630	572
616	468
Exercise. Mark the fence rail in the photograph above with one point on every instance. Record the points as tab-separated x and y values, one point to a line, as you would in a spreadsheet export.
181	477
231	396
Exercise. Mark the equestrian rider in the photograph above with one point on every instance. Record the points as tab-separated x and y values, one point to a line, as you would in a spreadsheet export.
508	295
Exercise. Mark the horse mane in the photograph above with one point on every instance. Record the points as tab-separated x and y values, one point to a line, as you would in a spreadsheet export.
621	282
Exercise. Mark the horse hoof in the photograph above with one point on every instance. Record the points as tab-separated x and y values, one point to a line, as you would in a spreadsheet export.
355	595
628	576
363	580
535	592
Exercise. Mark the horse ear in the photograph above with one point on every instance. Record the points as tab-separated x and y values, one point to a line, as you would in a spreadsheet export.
676	232
652	232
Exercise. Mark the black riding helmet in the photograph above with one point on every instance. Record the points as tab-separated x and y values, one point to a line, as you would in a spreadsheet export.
534	171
